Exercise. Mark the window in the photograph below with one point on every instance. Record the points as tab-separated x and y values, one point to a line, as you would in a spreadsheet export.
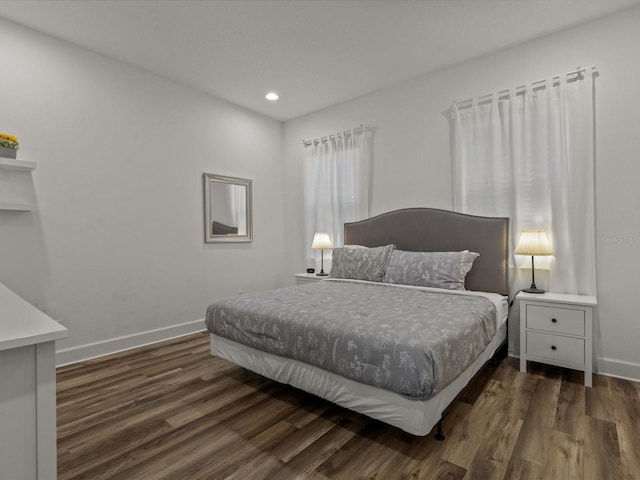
337	174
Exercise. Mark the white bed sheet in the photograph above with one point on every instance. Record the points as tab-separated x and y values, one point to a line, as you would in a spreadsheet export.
417	417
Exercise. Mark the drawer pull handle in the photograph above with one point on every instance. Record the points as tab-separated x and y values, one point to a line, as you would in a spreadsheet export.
553	320
553	347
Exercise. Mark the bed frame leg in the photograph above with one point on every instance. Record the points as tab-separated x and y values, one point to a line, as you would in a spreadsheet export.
439	435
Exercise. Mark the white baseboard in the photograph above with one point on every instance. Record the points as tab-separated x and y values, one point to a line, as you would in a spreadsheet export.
119	344
613	367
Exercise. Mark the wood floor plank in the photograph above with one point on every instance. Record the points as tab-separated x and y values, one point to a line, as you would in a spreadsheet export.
268	412
78	462
571	407
463	450
565	459
511	398
173	411
196	453
508	369
534	436
308	411
601	450
260	467
519	469
296	442
221	393
94	376
305	464
176	436
125	416
492	458
626	407
358	457
476	385
273	437
598	399
436	469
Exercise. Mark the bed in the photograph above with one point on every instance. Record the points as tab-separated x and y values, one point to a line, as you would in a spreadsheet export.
218	228
356	340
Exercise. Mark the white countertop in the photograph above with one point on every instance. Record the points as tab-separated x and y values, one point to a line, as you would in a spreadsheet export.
23	324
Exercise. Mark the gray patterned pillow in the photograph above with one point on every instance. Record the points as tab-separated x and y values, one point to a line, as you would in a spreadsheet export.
430	269
361	263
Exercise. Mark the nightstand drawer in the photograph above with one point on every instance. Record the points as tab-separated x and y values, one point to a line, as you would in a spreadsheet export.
555	347
555	320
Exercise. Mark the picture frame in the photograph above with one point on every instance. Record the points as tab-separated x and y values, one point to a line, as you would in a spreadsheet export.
228	216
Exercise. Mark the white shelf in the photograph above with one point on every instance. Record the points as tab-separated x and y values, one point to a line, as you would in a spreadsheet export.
12	164
17	207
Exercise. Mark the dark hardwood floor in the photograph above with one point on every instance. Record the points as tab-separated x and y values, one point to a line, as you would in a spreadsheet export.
172	411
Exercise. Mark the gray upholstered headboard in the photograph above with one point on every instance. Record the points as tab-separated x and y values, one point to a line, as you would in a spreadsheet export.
432	230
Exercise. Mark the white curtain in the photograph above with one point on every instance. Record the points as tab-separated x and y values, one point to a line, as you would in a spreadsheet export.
530	158
238	207
337	178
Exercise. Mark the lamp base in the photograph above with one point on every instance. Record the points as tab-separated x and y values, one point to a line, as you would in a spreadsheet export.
322	274
532	290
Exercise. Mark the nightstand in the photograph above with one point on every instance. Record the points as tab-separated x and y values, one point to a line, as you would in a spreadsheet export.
556	329
302	278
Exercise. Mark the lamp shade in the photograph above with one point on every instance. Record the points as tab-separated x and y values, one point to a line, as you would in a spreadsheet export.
321	241
533	242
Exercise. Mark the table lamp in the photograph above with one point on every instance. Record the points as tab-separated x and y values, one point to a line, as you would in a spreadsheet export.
533	242
322	241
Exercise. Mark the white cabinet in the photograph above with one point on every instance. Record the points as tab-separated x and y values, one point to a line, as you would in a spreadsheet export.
557	329
27	389
14	190
302	278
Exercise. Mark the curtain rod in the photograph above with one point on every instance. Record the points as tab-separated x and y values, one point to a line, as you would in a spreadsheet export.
315	141
537	84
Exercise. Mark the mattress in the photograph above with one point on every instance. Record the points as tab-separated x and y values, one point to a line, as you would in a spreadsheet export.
413	416
411	341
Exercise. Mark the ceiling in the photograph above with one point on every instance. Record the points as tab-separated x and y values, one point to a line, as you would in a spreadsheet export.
313	53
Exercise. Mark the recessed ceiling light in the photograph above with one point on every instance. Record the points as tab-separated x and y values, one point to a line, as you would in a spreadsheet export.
273	96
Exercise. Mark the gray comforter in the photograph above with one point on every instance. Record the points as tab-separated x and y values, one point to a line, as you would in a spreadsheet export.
407	340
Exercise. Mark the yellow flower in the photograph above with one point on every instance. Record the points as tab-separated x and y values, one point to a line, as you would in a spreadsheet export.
9	138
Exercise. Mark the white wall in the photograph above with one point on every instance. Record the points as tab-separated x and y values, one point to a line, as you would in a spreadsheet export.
115	247
412	155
